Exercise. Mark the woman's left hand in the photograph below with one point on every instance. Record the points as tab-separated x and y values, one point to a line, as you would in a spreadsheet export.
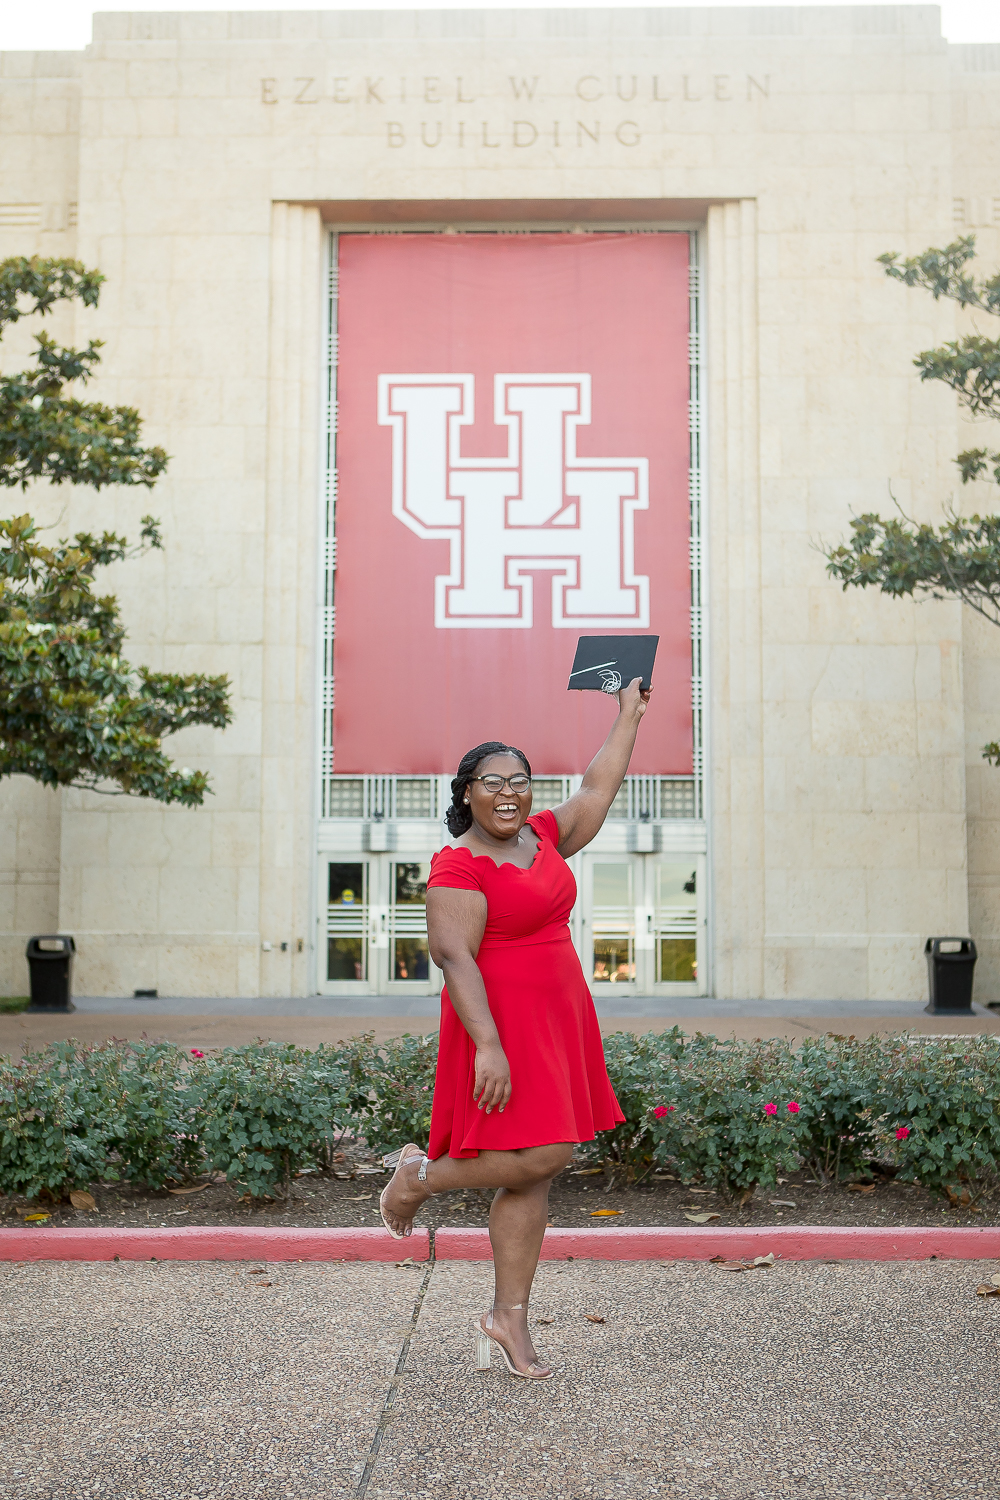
634	699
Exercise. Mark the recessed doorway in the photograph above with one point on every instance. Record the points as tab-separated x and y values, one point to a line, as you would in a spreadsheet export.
643	923
376	926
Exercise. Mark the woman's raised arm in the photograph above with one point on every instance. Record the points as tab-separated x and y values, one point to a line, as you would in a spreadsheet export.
581	816
456	921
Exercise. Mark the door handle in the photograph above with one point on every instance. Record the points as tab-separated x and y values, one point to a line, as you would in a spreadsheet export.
378	929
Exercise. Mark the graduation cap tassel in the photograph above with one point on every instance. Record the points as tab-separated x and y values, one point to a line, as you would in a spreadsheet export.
595	671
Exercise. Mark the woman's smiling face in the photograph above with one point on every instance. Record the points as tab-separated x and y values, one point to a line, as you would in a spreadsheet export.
500	814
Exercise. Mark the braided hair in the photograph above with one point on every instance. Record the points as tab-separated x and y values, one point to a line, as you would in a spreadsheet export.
459	817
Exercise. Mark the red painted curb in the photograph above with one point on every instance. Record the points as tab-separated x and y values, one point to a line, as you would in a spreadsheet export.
208	1243
789	1242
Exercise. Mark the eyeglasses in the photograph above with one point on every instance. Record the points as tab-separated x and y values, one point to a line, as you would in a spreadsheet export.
492	783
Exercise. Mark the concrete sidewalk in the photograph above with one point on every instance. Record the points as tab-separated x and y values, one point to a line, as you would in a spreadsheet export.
689	1011
199	1381
223	1023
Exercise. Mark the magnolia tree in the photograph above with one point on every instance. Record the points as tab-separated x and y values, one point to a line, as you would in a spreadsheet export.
73	712
960	558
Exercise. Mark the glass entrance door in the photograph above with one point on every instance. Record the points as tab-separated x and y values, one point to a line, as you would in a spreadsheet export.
409	962
675	897
348	883
642	924
376	927
643	928
609	921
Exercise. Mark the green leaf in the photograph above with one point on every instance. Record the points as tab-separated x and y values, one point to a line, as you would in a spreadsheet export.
959	558
73	711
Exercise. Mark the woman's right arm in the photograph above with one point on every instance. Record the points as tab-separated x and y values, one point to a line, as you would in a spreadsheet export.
581	816
456	921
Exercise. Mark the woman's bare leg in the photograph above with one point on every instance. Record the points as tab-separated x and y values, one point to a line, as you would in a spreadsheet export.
517	1228
516	1170
517	1222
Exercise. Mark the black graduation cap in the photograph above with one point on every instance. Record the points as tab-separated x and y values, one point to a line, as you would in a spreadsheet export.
605	663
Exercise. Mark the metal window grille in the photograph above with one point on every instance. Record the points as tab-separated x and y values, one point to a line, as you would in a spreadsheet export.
678	799
345	797
377	797
329	806
414	797
695	475
426	797
548	791
655	797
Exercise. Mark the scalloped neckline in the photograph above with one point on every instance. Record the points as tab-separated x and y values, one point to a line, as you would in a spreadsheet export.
507	863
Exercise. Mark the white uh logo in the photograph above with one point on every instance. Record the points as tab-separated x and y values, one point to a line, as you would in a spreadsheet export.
540	508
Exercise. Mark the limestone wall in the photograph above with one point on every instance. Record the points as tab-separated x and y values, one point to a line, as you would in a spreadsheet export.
976	210
850	814
39	152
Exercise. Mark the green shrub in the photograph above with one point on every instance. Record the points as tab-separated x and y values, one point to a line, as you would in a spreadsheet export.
265	1111
736	1115
939	1104
836	1087
641	1071
698	1107
391	1085
153	1134
732	1116
71	1113
54	1126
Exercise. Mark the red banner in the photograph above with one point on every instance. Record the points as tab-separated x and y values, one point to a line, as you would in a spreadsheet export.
512	459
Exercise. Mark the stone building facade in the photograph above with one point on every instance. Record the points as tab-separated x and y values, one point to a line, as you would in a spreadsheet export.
840	811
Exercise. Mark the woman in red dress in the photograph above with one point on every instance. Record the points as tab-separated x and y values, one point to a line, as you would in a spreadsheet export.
520	1075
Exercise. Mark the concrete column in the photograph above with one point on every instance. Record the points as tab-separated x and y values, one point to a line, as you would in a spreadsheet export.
288	748
735	762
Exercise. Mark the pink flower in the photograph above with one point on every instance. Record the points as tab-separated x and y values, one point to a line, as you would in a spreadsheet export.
770	1109
902	1133
196	1053
660	1111
793	1108
425	1088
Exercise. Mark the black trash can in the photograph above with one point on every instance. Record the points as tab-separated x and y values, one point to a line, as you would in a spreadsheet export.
950	965
50	964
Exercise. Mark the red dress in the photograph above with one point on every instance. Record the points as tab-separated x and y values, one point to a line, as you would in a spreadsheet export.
541	1005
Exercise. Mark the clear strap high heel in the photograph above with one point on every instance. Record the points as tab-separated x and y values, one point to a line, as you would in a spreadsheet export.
394	1157
401	1158
486	1339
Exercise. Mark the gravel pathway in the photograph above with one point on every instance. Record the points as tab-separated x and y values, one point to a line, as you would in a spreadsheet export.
189	1382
